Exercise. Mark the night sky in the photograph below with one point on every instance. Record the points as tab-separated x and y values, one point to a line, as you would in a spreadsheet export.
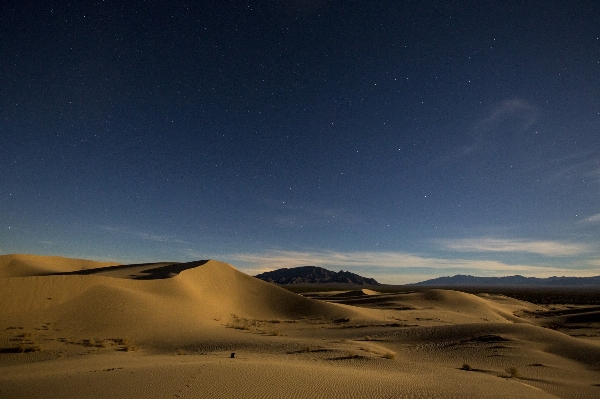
402	140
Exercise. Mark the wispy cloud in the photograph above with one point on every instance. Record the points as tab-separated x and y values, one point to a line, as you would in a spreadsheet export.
592	219
546	248
143	235
395	267
580	167
290	214
490	131
515	108
276	259
594	262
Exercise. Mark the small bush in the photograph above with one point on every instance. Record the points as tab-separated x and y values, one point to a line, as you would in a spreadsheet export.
243	327
389	355
466	367
31	348
93	343
512	372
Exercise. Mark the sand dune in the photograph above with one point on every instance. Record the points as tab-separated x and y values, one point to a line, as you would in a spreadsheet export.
103	330
100	303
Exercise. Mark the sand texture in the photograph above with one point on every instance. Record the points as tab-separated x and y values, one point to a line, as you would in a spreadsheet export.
74	328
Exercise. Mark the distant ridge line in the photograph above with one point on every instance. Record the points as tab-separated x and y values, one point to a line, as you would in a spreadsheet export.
517	280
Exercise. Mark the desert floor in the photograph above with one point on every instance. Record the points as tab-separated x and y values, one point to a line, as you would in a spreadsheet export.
72	328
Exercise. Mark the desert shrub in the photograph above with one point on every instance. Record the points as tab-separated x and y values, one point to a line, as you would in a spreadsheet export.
243	327
512	372
93	343
466	367
30	348
130	348
341	320
389	355
23	336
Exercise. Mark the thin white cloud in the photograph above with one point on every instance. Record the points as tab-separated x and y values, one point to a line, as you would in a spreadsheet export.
546	248
278	259
509	109
577	167
143	235
286	214
396	267
594	262
592	219
490	131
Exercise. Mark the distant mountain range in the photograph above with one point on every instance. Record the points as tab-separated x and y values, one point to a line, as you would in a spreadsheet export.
462	280
313	275
319	275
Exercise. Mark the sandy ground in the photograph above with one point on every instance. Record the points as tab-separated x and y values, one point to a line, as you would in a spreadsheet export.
73	328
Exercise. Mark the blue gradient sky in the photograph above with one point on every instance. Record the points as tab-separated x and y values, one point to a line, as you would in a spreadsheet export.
399	140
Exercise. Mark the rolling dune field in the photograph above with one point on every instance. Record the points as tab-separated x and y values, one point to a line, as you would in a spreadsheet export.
77	328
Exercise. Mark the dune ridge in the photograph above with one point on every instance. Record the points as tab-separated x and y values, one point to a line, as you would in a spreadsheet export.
23	265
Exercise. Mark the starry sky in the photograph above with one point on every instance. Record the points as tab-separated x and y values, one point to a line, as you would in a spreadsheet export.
401	140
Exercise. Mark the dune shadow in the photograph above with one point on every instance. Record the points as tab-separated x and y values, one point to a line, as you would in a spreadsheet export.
143	271
167	271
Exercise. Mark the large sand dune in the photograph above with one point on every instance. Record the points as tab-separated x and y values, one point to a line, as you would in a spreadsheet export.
103	330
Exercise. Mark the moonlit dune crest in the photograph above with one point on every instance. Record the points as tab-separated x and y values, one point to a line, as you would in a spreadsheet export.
75	328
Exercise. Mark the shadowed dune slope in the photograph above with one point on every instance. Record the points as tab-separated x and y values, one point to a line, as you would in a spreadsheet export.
354	293
35	265
488	306
451	306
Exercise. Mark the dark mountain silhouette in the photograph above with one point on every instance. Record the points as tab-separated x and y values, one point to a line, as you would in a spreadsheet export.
462	280
314	275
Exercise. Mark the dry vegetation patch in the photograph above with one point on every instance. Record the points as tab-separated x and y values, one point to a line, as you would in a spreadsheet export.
22	343
512	372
